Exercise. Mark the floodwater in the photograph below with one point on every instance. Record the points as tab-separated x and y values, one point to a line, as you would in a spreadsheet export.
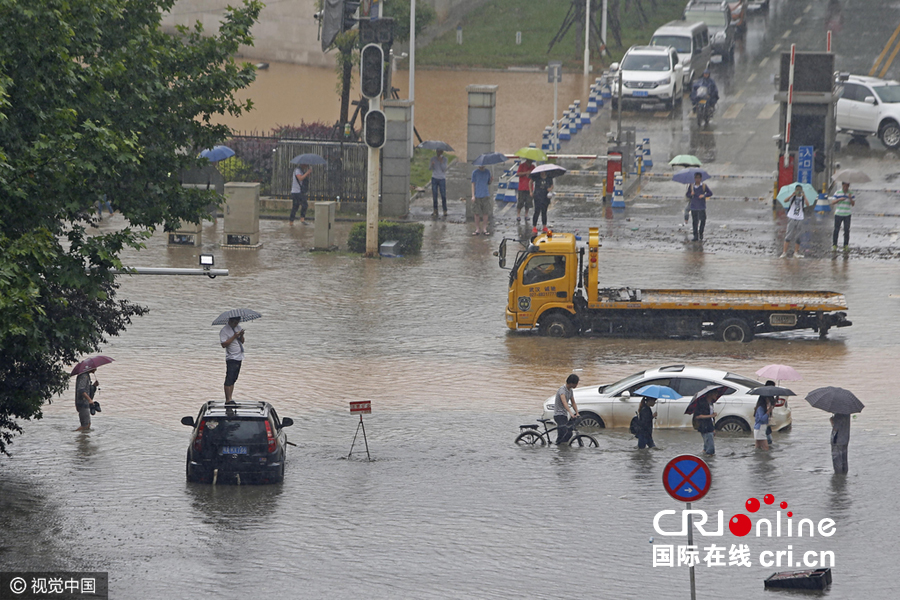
450	507
284	94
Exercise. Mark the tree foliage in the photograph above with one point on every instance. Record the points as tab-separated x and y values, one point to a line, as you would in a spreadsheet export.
399	10
94	99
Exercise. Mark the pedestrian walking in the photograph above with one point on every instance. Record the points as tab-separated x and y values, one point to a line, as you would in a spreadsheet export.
481	199
103	201
84	398
795	214
438	166
561	410
523	196
697	194
842	201
300	192
761	415
840	439
232	339
645	421
541	186
706	420
771	403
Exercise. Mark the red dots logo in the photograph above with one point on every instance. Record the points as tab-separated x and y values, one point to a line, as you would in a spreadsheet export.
740	525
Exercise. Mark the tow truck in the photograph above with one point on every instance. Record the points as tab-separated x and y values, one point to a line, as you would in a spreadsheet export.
555	289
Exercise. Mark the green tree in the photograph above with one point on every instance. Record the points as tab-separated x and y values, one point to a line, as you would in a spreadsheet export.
94	99
399	10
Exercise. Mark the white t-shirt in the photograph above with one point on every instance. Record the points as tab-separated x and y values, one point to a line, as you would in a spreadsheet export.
297	187
795	211
234	350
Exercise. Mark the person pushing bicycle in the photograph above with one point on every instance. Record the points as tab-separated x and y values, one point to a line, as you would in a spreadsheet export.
561	411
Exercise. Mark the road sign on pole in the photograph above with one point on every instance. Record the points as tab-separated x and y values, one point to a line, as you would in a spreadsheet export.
360	407
687	478
805	161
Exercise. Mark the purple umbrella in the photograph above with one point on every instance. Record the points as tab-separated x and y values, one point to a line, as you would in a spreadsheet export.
89	364
687	175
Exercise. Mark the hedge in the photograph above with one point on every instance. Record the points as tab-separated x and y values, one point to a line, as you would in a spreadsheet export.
408	234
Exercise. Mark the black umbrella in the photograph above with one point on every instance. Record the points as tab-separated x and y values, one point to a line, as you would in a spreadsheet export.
692	405
435	145
835	400
244	314
308	159
771	390
489	158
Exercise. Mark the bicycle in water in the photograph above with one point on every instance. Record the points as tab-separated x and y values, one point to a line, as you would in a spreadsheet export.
531	436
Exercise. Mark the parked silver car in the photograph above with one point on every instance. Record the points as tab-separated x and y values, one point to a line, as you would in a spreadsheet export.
615	404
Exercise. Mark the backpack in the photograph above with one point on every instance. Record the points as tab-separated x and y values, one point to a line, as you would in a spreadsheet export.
635	426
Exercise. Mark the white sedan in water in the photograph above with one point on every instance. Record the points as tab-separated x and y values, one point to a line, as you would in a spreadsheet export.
615	404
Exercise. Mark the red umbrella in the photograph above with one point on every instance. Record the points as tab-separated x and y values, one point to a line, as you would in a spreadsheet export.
90	363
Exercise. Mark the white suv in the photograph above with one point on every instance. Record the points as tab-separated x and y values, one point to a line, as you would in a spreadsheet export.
870	106
649	73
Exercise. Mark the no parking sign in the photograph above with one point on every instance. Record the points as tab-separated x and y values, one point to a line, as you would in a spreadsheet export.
687	478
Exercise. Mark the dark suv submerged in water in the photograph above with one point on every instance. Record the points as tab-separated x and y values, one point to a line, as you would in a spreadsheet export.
238	442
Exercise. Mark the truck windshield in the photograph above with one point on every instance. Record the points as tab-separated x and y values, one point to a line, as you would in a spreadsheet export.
514	272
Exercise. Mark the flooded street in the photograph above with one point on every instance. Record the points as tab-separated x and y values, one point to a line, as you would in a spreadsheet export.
450	508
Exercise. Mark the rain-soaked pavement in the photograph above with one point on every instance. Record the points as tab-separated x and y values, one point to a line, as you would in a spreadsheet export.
451	508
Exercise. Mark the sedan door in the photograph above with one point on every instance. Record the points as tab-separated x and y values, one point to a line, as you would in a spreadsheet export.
625	406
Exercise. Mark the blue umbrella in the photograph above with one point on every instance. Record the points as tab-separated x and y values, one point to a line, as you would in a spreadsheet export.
687	175
489	158
788	190
658	391
308	159
217	153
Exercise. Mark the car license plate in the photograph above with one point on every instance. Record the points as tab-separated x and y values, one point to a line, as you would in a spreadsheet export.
234	450
641	94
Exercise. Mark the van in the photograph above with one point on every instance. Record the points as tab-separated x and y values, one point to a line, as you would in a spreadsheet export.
691	41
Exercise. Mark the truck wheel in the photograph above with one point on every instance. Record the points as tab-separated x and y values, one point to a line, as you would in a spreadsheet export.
890	135
557	325
732	425
734	330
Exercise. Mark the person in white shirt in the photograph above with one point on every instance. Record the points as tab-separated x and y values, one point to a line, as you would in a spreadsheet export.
232	339
796	203
842	202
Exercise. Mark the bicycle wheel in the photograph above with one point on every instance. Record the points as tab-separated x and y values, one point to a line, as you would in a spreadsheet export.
530	438
583	440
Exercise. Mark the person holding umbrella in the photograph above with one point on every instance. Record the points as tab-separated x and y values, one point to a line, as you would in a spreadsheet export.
645	420
231	337
523	196
481	198
438	167
841	404
85	390
705	416
541	186
697	193
796	203
299	192
761	415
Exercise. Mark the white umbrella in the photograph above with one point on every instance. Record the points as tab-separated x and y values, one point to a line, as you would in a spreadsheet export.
851	176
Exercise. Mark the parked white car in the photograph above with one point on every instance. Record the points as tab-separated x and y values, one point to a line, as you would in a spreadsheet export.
870	106
615	404
649	73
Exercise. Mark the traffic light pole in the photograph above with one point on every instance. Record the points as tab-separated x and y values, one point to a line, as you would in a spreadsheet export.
373	184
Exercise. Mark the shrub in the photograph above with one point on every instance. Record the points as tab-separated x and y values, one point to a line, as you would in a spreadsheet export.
408	234
315	130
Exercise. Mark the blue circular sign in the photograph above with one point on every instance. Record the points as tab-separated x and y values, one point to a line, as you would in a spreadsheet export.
687	478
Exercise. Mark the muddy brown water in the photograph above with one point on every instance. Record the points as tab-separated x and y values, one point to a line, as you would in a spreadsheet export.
450	508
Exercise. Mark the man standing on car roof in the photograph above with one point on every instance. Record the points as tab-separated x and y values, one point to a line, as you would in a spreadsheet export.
232	339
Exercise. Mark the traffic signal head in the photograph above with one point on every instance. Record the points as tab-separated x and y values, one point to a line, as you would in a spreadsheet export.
349	21
375	129
371	65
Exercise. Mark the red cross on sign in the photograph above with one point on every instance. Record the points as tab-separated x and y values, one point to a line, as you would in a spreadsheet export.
687	478
363	407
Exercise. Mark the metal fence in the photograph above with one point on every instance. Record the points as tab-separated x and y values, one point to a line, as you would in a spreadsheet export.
267	160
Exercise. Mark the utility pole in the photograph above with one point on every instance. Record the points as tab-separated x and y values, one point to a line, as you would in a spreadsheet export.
587	37
412	72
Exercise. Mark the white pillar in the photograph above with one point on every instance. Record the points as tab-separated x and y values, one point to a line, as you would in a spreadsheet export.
373	181
587	37
412	72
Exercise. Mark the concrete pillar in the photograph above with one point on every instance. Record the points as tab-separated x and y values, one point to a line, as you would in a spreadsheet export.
323	238
482	120
241	214
396	158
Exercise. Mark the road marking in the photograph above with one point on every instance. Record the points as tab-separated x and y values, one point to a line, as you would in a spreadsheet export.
766	113
808	8
884	52
662	113
776	47
797	20
786	34
763	62
738	95
890	61
733	110
751	78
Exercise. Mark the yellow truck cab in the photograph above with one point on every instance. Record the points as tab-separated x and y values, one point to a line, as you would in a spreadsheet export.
555	288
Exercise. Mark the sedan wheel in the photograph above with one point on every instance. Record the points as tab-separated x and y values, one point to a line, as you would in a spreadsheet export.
732	425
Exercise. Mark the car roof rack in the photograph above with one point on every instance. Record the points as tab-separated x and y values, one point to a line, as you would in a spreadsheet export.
672	368
258	404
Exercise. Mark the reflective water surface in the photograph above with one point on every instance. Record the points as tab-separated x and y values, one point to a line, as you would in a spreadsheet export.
450	507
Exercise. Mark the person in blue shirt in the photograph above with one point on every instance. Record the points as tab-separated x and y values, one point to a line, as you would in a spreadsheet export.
761	415
481	199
